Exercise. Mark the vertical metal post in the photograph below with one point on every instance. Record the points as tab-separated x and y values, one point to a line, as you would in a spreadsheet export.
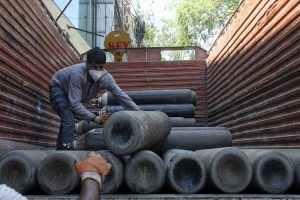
105	18
92	18
96	15
93	21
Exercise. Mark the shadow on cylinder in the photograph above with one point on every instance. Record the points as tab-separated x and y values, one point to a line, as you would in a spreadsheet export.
172	110
8	145
187	138
294	157
183	122
115	178
94	140
84	126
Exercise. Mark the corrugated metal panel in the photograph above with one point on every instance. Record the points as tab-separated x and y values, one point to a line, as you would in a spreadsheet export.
31	50
75	38
154	53
164	75
253	75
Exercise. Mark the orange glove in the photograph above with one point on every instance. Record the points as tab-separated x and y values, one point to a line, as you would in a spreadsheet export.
102	119
94	163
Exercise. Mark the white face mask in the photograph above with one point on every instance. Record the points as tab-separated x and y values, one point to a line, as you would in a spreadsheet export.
95	74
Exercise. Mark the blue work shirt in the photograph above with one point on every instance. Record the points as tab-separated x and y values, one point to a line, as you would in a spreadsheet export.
74	82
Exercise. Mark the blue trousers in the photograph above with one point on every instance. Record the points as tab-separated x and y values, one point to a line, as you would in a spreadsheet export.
60	104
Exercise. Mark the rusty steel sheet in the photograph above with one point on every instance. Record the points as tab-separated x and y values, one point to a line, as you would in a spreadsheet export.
253	84
250	56
32	49
286	49
164	75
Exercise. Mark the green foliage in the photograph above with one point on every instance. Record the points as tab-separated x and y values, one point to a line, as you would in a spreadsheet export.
150	34
195	23
177	55
198	21
148	18
158	35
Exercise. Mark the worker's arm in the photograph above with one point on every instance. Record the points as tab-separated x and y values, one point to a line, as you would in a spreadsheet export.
7	192
125	101
90	189
90	171
74	95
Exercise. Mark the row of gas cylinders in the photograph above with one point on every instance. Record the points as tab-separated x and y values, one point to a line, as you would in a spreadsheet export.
175	103
225	170
149	155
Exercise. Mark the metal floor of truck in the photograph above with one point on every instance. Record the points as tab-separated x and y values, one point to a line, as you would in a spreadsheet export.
171	196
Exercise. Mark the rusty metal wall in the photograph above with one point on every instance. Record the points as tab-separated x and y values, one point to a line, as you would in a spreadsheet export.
154	53
164	75
254	75
32	49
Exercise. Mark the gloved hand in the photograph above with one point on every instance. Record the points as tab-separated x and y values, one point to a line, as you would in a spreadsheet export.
101	119
94	166
102	116
95	163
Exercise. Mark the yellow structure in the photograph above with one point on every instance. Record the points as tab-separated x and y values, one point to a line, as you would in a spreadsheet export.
117	42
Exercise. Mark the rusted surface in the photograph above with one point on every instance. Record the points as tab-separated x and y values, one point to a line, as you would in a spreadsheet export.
154	53
253	75
164	75
31	51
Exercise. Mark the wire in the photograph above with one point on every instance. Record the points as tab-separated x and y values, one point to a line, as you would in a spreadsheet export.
130	13
63	10
139	31
119	18
79	29
87	17
133	8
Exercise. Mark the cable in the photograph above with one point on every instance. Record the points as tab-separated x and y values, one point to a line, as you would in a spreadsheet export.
79	29
63	10
130	13
139	31
86	17
119	18
133	8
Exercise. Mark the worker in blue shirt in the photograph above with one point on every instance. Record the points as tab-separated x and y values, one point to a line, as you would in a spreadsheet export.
72	86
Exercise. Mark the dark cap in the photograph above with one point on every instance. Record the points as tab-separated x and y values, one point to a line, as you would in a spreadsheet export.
96	55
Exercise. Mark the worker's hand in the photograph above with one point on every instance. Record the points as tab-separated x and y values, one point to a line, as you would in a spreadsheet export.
102	116
94	163
102	119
